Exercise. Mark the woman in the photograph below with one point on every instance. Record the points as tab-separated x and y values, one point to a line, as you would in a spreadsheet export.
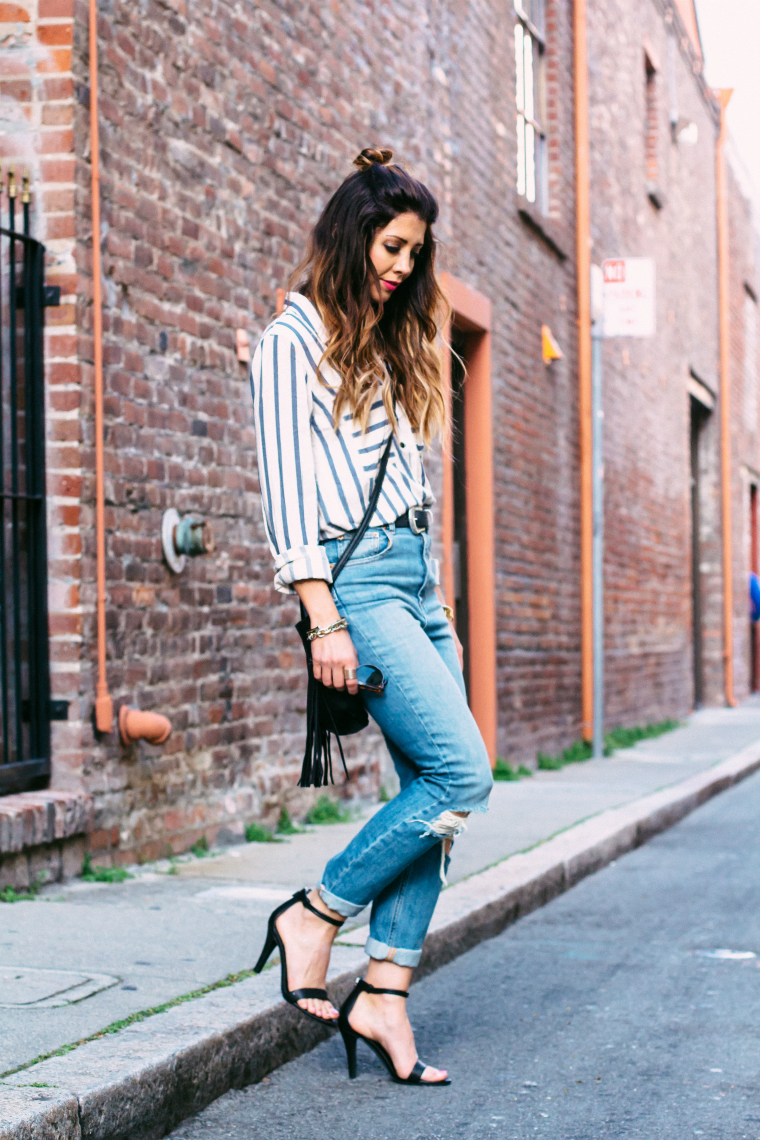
352	362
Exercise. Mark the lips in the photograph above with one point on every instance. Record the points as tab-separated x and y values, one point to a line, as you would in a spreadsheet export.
391	285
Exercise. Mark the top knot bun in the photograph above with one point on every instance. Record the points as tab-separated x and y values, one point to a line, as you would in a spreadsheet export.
373	156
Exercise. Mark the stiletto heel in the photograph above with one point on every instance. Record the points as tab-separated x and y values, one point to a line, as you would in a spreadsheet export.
349	1040
351	1036
292	997
269	946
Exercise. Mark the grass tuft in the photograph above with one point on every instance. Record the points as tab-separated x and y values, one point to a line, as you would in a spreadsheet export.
626	737
255	833
200	848
11	895
617	738
504	771
92	874
285	825
326	810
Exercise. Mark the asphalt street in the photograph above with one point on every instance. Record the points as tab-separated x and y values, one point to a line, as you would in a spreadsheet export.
628	1007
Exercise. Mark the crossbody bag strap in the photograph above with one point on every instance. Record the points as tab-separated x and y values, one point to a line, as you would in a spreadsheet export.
359	533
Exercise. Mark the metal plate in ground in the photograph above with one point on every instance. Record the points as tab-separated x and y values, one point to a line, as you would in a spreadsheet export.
22	987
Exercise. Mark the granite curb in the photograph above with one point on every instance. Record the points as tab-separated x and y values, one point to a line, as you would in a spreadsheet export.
138	1084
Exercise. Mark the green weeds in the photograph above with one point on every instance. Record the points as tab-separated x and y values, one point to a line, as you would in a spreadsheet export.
285	825
92	874
617	738
255	833
117	1026
504	771
326	810
200	848
11	895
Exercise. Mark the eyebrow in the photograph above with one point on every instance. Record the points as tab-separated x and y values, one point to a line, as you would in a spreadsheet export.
404	241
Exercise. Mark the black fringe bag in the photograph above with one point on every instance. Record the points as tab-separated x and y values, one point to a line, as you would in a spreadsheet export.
333	711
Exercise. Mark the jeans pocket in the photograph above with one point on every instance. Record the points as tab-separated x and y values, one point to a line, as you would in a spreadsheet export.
374	545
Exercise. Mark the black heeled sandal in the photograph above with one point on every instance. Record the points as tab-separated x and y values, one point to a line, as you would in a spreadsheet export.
292	997
351	1036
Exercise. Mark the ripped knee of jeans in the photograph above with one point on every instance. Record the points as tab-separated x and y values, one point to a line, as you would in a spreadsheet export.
448	825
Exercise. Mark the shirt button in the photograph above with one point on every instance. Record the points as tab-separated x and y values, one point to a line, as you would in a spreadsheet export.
403	445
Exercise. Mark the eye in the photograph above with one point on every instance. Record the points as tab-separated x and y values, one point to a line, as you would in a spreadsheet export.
393	248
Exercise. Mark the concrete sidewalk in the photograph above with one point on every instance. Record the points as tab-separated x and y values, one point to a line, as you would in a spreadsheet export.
141	1078
85	955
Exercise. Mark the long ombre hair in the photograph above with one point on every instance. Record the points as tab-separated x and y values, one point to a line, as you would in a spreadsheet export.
373	345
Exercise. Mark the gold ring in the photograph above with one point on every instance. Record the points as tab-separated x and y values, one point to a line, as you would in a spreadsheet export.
349	674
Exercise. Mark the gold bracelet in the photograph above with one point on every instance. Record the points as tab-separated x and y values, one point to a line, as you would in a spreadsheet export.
449	613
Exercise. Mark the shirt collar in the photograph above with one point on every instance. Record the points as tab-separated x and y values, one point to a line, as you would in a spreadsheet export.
309	313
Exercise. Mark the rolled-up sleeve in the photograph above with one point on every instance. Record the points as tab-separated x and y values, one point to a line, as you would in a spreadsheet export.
282	414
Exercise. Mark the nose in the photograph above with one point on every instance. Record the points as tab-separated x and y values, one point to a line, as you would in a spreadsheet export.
404	263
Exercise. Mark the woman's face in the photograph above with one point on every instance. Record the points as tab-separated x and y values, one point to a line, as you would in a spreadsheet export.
393	252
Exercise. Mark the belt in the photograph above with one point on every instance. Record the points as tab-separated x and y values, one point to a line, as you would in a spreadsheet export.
418	519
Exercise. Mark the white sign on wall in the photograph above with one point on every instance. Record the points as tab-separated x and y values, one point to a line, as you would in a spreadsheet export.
629	296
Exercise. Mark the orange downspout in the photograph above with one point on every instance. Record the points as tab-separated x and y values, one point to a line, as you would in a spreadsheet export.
725	401
583	234
447	515
103	702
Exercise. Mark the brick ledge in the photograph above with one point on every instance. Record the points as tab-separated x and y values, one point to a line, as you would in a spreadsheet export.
28	819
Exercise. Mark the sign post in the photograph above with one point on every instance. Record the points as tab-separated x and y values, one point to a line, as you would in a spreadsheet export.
622	304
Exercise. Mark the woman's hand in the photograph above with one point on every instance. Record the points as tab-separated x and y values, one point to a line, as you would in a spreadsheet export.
330	655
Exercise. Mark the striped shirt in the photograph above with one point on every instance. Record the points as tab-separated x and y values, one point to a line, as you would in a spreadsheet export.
316	481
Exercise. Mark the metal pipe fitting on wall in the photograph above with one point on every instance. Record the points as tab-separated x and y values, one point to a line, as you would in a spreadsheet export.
184	538
136	725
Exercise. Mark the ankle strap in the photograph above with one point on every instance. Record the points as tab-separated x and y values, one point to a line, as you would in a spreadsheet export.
303	898
368	989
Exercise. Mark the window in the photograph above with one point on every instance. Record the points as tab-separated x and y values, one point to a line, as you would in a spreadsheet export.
530	45
651	156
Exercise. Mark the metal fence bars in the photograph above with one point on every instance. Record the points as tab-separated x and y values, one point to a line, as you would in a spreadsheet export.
24	657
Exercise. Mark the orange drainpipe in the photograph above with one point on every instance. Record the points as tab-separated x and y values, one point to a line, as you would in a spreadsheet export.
583	234
103	702
725	401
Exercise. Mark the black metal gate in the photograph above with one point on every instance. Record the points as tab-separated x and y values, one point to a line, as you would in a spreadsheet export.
24	656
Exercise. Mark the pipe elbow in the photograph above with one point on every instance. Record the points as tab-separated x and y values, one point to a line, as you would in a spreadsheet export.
136	725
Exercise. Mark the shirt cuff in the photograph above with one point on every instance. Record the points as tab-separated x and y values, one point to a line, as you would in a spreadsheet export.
298	564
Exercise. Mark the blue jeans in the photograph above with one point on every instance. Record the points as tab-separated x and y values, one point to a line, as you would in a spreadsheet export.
387	592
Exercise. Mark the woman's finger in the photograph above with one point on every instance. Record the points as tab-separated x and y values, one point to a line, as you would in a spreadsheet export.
339	677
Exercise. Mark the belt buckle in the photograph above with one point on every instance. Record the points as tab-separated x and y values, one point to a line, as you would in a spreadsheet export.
412	513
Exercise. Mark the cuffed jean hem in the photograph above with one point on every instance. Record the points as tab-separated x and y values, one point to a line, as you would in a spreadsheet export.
341	906
384	953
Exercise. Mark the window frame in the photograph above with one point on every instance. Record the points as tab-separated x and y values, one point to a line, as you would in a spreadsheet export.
535	179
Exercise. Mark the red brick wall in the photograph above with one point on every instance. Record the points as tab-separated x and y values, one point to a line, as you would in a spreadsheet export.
745	409
646	402
224	129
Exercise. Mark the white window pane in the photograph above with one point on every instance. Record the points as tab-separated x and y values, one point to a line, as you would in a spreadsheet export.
530	163
520	82
530	110
520	155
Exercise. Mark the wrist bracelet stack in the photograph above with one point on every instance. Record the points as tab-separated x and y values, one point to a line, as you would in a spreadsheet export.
318	631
